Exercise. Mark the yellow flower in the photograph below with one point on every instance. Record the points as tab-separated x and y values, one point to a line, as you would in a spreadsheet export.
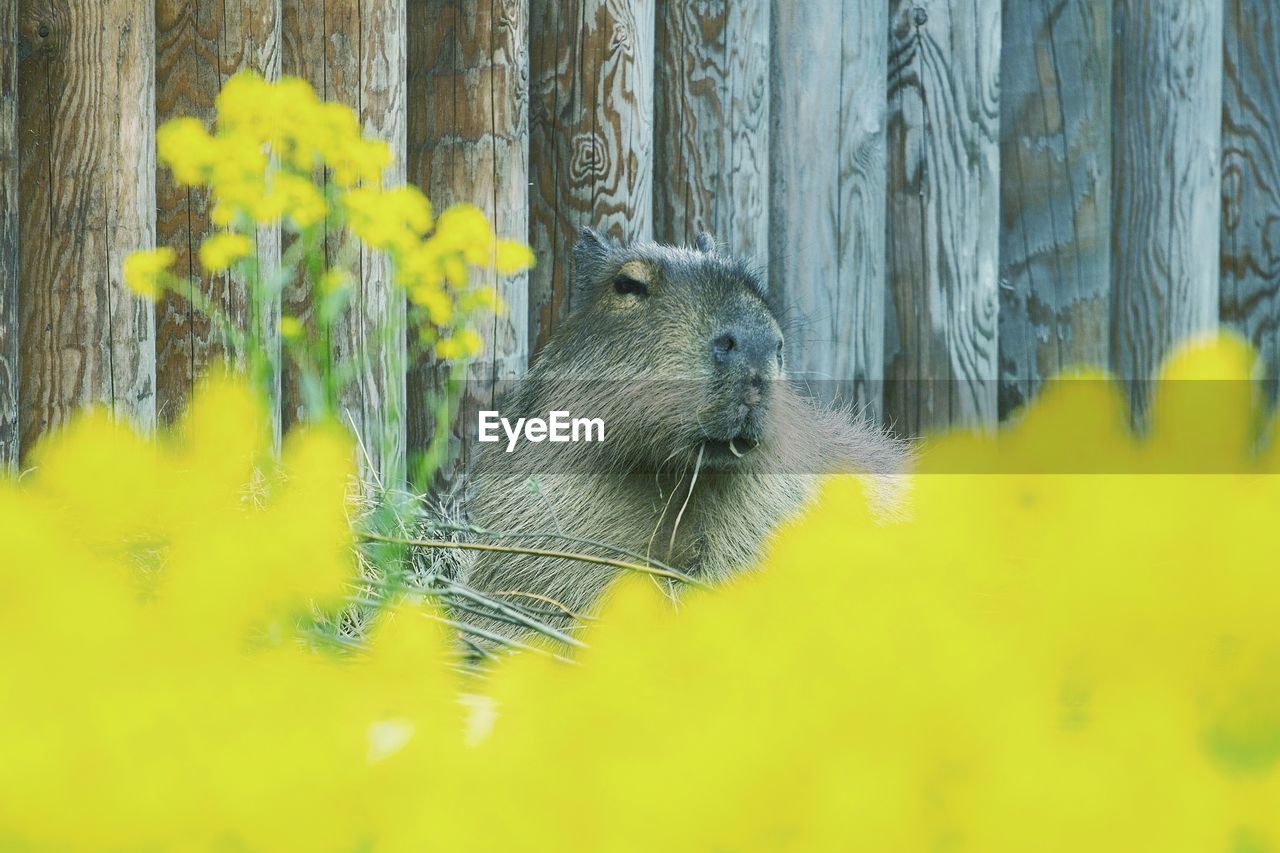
463	343
412	206
419	266
188	149
435	301
334	279
481	299
302	201
221	250
464	229
145	271
1024	662
243	103
290	327
360	161
388	219
512	256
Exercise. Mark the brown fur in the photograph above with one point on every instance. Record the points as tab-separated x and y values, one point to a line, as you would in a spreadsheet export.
643	364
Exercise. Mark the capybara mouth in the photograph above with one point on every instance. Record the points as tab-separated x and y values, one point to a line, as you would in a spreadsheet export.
724	449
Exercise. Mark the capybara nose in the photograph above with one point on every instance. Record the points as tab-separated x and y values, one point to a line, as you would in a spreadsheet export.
753	347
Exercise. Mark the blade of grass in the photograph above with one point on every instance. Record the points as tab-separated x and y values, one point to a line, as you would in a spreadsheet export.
539	552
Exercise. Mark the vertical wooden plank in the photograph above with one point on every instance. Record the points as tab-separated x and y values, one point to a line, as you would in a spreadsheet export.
353	52
711	124
590	137
943	228
1250	298
9	368
199	45
338	26
251	40
375	331
827	201
188	64
87	150
468	142
303	54
1055	192
1165	182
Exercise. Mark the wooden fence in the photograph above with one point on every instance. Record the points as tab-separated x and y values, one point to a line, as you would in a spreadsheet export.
955	196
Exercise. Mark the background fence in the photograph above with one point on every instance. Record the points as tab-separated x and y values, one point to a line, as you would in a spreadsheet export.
948	190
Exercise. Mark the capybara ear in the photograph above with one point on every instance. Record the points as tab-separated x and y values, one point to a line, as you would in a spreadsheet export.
590	237
590	253
705	243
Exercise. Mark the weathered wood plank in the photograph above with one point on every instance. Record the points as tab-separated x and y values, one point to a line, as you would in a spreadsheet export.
468	142
1250	298
1165	180
590	137
827	228
251	40
376	331
711	124
354	52
943	228
9	368
303	54
188	45
87	151
1055	192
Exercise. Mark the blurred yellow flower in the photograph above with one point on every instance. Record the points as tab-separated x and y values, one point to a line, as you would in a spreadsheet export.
219	251
290	327
279	154
512	257
394	220
438	305
186	147
1025	661
463	343
145	271
334	279
300	199
465	229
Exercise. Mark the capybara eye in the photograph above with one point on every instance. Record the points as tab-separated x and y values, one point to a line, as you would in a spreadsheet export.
779	354
626	285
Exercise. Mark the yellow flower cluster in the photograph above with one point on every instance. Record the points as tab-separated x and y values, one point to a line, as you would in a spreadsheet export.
220	251
433	258
260	163
258	121
144	271
1026	662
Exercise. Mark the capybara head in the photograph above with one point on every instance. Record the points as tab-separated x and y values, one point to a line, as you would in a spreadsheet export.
680	348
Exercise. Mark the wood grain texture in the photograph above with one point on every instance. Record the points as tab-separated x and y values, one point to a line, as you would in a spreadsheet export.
87	152
199	45
376	332
943	213
1250	296
304	54
9	367
711	124
468	143
827	227
1165	180
188	76
354	52
251	40
590	137
1055	192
